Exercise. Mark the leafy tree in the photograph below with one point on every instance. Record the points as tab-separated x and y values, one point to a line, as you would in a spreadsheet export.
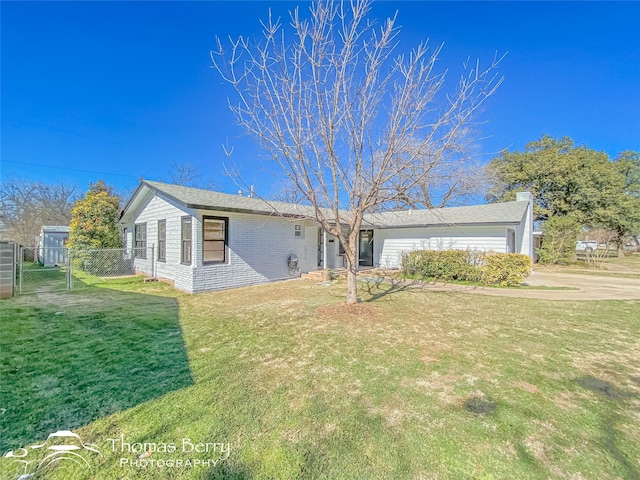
559	241
621	213
29	205
94	219
554	170
351	122
566	179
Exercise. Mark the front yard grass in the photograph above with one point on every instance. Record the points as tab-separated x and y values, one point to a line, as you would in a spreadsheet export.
408	384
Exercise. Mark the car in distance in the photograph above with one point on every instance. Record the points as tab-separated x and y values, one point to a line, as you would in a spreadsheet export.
586	246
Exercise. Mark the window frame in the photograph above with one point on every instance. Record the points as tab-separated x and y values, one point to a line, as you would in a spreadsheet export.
140	246
225	249
184	241
162	241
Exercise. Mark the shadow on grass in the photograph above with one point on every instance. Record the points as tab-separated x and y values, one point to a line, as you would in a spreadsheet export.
226	470
67	359
609	427
379	287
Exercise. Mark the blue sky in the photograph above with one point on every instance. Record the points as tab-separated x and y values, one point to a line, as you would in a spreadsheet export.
123	90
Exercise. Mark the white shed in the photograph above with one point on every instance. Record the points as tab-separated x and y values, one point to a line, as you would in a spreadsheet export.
52	243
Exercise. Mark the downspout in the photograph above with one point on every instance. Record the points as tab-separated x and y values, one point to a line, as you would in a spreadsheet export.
324	249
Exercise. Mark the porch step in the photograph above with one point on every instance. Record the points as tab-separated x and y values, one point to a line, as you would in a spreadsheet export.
317	275
323	275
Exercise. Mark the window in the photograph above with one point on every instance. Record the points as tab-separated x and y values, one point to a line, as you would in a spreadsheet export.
214	239
511	241
162	240
185	255
140	244
298	231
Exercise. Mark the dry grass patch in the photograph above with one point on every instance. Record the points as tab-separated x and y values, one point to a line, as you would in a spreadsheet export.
359	312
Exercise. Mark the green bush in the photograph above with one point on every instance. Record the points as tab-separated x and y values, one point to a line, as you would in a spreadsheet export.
559	236
441	264
505	269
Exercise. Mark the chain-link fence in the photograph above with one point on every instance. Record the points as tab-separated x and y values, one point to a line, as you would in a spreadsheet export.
43	269
54	269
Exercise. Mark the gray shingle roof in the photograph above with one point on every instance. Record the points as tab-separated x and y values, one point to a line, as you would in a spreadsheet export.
494	213
207	199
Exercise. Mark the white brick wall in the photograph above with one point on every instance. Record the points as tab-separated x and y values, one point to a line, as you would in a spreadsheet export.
160	208
258	247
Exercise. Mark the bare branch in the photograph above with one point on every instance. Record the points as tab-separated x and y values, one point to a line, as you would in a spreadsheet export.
354	124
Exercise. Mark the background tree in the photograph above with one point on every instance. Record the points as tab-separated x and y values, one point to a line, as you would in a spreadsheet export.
345	117
617	212
27	206
288	193
94	219
449	184
189	175
185	174
560	237
566	179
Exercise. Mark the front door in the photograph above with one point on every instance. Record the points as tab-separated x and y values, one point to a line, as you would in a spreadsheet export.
365	248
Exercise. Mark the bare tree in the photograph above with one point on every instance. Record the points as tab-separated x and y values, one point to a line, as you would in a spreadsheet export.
345	116
452	181
185	174
289	193
189	175
28	205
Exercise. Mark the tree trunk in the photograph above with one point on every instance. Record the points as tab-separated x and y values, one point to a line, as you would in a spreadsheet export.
351	254
352	287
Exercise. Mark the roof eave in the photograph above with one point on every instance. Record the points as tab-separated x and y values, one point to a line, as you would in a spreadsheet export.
246	210
432	225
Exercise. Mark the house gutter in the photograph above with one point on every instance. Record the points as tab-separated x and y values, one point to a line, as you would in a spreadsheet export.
453	224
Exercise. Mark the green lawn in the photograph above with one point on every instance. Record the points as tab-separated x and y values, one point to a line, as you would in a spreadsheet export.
409	384
631	261
621	267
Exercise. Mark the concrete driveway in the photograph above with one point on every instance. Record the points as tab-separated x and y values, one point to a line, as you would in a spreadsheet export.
583	287
590	286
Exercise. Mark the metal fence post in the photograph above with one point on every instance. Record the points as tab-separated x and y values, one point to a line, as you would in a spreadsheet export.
69	273
153	261
20	267
16	250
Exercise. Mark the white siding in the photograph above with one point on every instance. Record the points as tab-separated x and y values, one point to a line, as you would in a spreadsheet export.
259	247
51	251
524	233
390	244
160	208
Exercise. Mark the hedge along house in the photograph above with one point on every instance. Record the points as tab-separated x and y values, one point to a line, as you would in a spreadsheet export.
499	227
206	240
